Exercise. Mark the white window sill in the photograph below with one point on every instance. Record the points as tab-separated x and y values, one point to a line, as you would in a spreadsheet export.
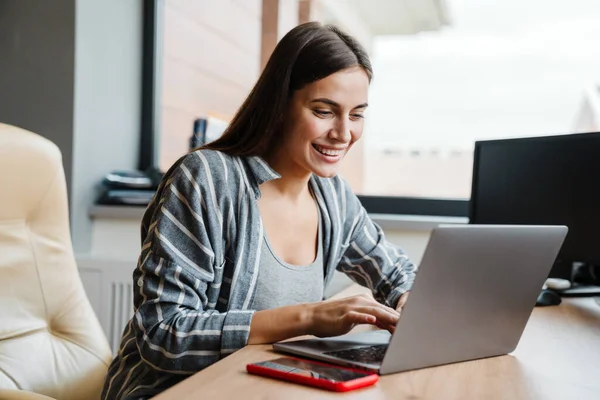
414	222
117	212
386	221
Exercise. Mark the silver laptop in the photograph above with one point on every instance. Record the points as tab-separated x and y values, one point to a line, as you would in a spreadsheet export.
473	294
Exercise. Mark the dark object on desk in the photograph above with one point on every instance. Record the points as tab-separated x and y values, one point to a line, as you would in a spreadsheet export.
586	281
578	290
132	188
126	197
548	180
548	298
127	180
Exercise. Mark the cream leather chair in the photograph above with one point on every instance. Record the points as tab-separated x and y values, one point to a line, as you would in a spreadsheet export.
51	343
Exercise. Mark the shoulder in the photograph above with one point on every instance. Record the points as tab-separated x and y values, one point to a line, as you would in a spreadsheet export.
206	168
213	163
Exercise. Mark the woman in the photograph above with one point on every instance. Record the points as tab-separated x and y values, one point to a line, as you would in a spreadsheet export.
244	234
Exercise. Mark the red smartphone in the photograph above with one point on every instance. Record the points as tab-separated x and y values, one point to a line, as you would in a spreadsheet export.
313	373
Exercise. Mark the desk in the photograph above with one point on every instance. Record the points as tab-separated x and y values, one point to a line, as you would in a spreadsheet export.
558	357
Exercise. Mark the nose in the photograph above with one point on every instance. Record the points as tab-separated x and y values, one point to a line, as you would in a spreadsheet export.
341	131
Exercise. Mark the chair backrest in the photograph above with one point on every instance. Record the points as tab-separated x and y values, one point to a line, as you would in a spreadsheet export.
50	339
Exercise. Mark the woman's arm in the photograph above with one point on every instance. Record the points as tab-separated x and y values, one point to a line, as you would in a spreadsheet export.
175	325
322	319
370	259
174	329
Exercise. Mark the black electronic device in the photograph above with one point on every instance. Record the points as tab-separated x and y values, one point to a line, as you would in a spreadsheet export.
130	188
550	180
127	180
548	298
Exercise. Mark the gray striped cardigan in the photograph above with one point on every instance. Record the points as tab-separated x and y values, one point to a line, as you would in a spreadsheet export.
196	275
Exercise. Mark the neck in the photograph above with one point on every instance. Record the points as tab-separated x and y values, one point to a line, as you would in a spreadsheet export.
293	182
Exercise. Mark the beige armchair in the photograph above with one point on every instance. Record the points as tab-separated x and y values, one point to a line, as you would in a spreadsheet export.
51	343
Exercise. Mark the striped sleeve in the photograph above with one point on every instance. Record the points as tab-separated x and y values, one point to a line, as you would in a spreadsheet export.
370	260
177	328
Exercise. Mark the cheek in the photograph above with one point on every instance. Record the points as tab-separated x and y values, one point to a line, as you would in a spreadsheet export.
357	132
313	128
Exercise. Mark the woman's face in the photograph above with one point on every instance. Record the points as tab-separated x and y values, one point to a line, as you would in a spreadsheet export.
324	119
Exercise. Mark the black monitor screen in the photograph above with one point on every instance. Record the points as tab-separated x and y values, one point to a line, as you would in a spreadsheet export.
542	181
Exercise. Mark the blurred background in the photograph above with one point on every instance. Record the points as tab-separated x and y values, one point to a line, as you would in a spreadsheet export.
447	73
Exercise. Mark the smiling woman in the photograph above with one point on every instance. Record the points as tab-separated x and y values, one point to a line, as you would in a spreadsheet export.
244	234
324	119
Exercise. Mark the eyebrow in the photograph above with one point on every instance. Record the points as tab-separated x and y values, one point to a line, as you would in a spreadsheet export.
334	104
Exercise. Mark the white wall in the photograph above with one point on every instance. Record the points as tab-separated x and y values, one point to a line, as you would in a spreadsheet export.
107	107
70	70
36	70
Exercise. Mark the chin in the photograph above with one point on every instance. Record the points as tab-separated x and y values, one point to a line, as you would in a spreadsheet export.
325	173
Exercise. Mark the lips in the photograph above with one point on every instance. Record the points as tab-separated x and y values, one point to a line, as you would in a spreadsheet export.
329	151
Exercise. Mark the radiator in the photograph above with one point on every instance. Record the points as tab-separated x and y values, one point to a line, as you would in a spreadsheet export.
109	287
120	310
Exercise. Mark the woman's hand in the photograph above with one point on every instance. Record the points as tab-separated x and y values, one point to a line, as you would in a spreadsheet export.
338	317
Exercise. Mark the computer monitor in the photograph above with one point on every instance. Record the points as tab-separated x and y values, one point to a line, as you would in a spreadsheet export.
542	181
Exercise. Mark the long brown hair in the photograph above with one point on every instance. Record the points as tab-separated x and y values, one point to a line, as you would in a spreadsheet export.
307	53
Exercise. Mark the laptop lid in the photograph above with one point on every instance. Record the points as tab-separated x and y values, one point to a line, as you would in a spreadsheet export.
473	294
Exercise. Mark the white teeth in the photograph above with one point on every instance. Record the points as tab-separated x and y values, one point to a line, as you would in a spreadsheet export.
328	152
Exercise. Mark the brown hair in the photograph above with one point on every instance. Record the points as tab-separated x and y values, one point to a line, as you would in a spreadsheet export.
307	53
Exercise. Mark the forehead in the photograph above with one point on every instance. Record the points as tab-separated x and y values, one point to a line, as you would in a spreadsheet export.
349	87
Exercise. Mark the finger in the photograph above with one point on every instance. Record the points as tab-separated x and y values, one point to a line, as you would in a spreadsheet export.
372	302
355	317
387	327
372	307
386	316
394	313
365	300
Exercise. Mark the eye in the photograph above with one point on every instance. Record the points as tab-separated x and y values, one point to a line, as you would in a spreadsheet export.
323	113
356	116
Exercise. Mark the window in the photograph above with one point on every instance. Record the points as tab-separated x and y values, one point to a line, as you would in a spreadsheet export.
501	69
447	73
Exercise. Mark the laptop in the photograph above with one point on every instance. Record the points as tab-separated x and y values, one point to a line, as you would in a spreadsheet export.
474	291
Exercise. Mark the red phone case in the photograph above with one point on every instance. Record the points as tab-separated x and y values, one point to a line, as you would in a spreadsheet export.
357	383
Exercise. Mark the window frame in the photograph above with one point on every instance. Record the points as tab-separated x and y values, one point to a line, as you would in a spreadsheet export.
148	149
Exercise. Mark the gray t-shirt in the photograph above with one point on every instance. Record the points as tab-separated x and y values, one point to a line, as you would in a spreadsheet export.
281	284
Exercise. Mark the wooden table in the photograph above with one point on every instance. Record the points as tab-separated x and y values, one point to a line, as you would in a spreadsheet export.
558	357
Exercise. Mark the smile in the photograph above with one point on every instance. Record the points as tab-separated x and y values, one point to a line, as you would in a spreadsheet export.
329	152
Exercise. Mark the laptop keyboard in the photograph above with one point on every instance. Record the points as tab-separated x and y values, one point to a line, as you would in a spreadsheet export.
368	355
